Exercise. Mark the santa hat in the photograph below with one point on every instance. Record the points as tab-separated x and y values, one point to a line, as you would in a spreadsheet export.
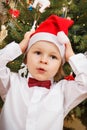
55	30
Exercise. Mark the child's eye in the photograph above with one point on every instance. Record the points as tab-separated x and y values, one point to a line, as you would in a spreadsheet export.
38	52
53	57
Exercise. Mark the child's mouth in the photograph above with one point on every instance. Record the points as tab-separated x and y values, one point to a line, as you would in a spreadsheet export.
41	70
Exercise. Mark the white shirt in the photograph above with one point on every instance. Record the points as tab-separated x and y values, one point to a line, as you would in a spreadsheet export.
38	108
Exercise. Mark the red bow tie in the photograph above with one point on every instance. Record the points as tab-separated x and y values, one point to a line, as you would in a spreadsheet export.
33	82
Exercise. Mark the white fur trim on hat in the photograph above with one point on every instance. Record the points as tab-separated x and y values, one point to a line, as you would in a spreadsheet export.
62	37
47	37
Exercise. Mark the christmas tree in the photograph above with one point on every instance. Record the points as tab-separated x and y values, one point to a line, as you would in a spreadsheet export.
22	15
19	17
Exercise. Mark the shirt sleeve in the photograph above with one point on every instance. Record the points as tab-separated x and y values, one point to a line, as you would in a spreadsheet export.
75	91
7	54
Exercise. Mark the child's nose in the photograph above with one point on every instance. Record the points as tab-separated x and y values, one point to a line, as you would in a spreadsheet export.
44	60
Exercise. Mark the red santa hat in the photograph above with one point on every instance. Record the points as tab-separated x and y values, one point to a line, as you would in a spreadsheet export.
55	30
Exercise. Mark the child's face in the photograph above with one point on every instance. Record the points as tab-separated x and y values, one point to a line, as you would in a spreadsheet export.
43	60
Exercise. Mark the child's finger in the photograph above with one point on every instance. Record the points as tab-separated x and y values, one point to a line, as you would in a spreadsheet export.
28	34
68	51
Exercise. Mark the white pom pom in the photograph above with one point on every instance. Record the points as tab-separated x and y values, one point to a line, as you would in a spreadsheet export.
62	37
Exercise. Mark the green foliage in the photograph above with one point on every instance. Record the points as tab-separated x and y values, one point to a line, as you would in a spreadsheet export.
80	112
67	68
76	10
2	44
15	65
1	103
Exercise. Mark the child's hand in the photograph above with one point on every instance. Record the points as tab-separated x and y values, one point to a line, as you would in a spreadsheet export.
68	51
27	34
63	39
24	43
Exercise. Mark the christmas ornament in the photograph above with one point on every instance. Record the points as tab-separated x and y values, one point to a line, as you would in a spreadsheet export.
23	71
12	4
64	10
30	7
34	25
7	1
3	33
29	2
14	13
43	4
70	77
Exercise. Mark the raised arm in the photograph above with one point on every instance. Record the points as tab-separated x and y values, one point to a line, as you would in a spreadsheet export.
75	91
7	54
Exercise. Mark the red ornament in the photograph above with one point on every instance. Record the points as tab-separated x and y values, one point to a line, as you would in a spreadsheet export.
14	12
7	1
69	77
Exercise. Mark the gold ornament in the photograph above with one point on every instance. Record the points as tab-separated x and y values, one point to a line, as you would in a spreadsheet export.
3	33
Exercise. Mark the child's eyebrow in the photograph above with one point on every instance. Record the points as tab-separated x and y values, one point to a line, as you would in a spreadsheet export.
55	53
